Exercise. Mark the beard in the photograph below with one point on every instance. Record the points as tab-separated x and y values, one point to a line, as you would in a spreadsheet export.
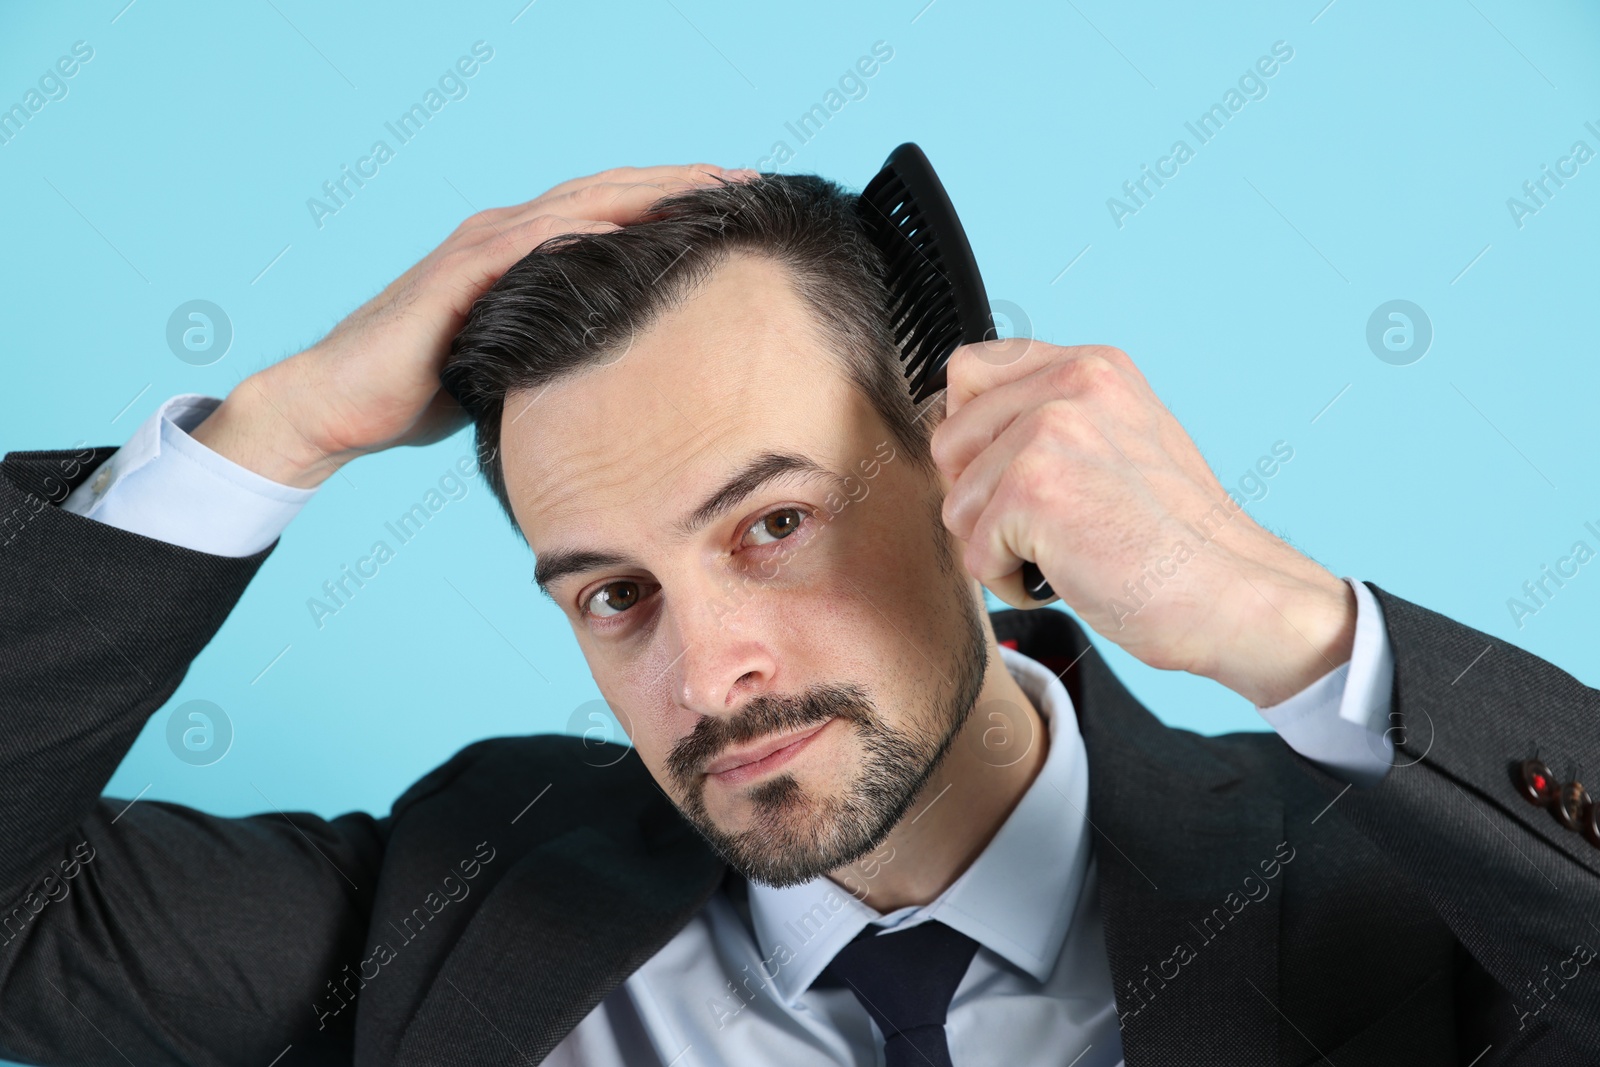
796	835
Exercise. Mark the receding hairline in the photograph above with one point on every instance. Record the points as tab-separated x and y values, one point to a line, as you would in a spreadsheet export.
533	326
824	344
846	362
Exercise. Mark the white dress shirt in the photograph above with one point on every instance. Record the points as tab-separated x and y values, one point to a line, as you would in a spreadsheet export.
166	485
1040	979
726	991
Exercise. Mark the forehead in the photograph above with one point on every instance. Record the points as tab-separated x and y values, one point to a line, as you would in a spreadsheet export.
739	367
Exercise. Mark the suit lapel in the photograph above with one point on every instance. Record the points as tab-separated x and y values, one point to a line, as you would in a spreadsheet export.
568	923
1193	947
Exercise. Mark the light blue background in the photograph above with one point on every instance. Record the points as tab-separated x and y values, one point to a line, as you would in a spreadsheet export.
1377	167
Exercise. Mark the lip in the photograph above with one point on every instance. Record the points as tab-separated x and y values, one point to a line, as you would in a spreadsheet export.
735	767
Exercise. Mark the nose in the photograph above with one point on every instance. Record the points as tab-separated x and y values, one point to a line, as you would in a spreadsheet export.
723	655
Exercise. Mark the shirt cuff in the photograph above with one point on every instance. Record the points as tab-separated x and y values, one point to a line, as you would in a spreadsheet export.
1341	721
166	485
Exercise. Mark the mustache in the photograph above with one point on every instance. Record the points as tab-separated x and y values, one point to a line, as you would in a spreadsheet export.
764	716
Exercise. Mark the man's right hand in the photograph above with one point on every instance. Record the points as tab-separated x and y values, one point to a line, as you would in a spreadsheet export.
373	382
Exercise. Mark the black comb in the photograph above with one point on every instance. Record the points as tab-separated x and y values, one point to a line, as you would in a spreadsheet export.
936	297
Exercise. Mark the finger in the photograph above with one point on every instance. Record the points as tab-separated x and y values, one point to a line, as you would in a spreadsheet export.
1010	591
621	201
977	368
681	177
959	439
972	490
615	203
704	173
511	242
993	508
618	202
994	551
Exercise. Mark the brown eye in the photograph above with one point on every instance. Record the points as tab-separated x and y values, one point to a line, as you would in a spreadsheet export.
776	526
613	598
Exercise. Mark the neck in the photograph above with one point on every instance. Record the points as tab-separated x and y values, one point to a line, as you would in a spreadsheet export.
990	765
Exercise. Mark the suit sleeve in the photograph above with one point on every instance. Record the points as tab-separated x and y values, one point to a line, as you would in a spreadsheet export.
133	930
1520	891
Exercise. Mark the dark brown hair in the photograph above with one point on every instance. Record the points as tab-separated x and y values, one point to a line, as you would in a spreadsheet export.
578	299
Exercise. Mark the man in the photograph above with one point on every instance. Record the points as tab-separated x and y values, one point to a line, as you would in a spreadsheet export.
867	823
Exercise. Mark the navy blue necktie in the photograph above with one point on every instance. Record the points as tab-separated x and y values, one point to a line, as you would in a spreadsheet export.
905	980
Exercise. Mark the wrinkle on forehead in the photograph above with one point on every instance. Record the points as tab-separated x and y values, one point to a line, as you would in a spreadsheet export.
739	366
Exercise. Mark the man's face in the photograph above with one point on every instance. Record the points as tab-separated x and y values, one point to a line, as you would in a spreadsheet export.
790	654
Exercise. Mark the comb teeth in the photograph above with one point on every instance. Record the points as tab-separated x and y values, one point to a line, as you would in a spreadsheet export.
936	295
921	299
936	298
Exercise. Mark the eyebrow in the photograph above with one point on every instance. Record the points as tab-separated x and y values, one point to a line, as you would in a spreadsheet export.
758	472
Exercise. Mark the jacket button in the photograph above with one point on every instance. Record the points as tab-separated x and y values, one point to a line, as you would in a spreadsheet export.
1536	783
1590	827
1570	805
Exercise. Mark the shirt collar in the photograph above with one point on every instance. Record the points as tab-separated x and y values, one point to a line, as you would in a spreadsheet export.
1016	899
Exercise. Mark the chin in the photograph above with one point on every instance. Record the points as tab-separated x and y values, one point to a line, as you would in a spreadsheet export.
788	797
790	834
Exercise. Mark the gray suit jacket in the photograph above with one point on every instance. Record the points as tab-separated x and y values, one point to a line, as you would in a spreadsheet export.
1414	923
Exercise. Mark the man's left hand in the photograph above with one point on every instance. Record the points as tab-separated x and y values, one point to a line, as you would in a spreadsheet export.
1065	456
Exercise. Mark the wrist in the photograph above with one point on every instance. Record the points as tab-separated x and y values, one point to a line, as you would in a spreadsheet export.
1294	626
256	427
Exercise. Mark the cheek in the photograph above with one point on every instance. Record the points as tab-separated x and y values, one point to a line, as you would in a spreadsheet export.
639	707
652	742
885	541
871	599
892	553
916	620
651	723
876	611
640	690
